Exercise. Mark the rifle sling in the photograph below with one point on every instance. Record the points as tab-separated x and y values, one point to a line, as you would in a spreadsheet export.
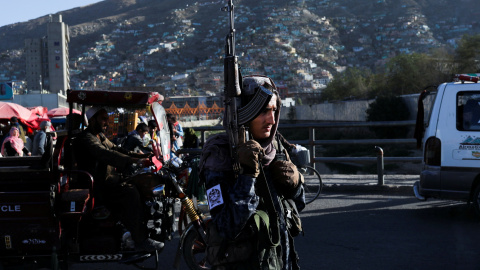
266	195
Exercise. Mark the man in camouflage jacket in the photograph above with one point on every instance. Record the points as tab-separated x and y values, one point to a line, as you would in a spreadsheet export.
233	201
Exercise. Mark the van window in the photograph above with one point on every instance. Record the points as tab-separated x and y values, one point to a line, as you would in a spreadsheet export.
468	111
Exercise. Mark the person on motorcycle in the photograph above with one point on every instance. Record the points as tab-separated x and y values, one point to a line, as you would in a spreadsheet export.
136	140
236	201
105	161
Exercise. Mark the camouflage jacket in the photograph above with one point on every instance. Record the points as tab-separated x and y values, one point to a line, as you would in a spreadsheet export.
232	202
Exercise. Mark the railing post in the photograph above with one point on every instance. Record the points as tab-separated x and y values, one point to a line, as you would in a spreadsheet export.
202	137
380	165
311	135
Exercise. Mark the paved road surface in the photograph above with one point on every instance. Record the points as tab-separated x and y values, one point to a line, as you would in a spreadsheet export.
371	230
358	225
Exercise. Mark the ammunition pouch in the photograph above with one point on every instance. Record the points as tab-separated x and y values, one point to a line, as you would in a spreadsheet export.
252	248
294	223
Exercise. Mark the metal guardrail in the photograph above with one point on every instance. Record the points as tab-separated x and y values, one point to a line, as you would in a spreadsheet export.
311	142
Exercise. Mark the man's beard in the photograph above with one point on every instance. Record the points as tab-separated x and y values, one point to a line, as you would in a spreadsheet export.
97	128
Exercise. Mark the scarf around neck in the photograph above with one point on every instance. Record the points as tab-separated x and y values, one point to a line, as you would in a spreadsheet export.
15	142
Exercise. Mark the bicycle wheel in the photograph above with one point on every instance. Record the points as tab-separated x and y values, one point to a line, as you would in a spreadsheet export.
313	183
195	252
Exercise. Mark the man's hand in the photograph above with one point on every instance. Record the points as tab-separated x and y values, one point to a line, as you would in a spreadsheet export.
144	162
139	155
285	176
249	154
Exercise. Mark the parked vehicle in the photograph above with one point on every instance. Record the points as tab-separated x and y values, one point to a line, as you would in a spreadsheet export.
451	144
46	202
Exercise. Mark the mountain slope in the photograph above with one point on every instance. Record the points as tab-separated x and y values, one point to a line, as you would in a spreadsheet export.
146	42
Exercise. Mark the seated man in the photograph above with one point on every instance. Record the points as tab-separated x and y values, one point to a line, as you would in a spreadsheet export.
135	140
40	140
97	155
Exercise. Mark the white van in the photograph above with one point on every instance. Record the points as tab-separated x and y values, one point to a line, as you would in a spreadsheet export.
451	145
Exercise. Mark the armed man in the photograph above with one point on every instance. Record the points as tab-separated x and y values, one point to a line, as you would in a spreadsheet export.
253	189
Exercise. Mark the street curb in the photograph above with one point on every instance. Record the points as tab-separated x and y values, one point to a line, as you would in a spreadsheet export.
369	188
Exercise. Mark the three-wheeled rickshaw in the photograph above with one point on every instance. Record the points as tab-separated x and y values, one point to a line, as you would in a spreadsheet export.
46	202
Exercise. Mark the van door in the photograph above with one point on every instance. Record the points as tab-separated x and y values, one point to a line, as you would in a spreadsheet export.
459	132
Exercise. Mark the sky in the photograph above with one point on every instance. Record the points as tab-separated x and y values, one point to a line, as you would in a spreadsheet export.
14	11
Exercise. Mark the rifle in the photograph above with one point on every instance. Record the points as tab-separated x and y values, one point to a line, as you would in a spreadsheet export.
232	91
237	114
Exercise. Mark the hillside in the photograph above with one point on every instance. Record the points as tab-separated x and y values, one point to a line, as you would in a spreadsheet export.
178	45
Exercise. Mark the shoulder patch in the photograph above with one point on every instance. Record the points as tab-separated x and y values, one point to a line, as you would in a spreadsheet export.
214	196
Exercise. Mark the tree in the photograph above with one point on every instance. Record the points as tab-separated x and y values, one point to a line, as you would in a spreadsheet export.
378	84
403	74
468	54
409	73
353	83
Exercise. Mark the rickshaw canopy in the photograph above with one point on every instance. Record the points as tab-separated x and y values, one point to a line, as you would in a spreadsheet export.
108	98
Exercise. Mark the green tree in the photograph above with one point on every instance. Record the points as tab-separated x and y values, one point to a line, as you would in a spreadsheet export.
403	74
467	55
444	64
378	84
353	83
409	73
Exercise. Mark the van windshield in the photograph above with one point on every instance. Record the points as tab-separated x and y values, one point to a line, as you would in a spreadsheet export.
468	111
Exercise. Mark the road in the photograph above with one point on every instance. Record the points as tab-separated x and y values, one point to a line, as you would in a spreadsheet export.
385	231
376	230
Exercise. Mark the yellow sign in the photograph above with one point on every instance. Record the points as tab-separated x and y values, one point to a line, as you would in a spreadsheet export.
8	242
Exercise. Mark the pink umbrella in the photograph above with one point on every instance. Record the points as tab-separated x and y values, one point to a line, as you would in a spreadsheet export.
35	120
8	109
39	110
61	112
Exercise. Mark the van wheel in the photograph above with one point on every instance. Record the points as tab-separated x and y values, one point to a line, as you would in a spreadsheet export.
476	199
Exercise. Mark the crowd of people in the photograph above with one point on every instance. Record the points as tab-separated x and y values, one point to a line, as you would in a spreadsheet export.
140	139
15	141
